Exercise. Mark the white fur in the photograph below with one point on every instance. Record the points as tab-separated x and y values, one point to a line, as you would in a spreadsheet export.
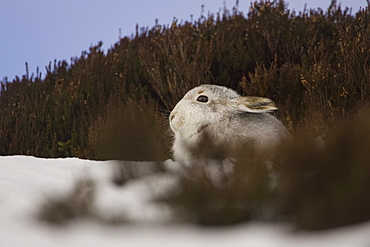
226	122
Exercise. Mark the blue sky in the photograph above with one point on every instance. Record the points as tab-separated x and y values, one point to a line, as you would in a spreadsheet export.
39	31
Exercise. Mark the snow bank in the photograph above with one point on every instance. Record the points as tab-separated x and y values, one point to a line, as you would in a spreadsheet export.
26	182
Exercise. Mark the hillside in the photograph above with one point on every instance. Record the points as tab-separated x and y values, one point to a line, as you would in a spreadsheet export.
314	64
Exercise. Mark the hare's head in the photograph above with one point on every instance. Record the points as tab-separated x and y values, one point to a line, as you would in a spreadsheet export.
210	110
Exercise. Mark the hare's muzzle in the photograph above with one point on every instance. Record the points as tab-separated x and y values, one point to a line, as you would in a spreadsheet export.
172	117
177	121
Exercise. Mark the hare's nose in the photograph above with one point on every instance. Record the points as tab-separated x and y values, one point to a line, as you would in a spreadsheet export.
172	116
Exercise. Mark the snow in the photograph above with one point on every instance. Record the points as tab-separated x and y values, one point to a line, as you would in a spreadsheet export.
26	182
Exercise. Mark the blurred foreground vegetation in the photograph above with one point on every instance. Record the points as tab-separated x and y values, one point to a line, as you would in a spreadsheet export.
314	64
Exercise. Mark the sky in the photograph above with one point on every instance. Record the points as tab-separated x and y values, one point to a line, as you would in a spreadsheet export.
40	31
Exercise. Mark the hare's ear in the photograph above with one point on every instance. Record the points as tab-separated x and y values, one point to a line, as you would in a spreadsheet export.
255	104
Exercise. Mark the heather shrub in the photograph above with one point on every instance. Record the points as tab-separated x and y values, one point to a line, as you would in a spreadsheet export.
309	62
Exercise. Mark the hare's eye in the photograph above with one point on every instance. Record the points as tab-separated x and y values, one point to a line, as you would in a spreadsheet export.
202	98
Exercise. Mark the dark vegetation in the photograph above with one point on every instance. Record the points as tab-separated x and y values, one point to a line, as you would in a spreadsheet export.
314	64
78	203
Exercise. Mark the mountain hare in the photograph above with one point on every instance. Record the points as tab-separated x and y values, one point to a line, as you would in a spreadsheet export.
214	122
